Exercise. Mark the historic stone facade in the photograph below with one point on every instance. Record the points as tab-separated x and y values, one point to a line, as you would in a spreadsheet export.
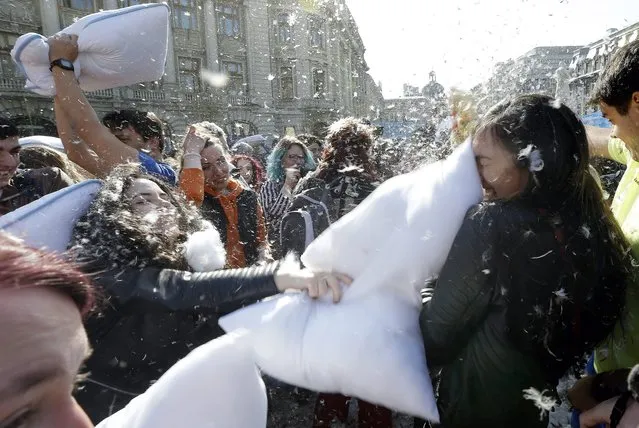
588	62
291	65
532	72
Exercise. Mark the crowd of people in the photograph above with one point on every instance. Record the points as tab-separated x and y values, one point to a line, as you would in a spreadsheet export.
541	281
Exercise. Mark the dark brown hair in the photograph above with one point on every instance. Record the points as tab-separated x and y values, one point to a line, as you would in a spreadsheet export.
348	146
23	267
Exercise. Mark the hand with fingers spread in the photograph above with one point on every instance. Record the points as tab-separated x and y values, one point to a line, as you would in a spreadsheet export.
193	142
316	284
63	46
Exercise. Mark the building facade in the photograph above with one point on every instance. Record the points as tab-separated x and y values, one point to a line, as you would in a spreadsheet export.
588	62
290	66
416	109
532	72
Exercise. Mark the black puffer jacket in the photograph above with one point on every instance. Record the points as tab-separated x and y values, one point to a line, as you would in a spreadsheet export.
153	317
503	290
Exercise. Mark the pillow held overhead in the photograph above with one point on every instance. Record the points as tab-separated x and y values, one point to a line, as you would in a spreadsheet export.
116	48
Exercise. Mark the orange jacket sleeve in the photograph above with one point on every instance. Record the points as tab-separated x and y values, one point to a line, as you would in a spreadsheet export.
192	184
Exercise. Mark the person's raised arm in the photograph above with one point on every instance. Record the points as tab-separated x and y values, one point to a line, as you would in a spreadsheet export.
598	139
192	176
77	150
107	147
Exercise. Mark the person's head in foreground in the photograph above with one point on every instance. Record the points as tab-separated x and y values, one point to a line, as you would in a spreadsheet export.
136	220
42	340
9	151
141	130
533	147
617	93
532	154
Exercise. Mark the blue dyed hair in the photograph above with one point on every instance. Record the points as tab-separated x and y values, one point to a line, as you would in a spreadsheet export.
274	170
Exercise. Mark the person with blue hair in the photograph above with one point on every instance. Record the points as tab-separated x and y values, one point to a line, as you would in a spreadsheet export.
289	161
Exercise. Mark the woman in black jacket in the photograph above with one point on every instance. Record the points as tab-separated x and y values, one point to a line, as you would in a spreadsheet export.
536	275
143	242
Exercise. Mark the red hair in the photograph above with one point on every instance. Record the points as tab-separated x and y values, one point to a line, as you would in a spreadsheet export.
258	171
22	267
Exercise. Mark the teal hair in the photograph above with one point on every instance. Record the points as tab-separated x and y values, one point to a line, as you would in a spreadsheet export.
274	170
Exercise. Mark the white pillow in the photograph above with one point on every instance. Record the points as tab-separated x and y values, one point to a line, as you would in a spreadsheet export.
217	385
42	141
49	221
369	345
116	48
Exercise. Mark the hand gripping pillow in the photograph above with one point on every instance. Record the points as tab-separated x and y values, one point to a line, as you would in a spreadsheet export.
116	48
369	345
49	221
217	385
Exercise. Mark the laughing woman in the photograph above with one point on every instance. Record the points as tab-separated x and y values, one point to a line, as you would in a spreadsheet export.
536	275
154	257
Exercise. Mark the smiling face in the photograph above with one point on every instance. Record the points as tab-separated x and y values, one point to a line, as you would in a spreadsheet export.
9	159
215	167
500	177
626	126
152	204
43	346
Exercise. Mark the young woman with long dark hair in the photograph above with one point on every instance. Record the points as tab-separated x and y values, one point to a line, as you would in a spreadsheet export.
536	276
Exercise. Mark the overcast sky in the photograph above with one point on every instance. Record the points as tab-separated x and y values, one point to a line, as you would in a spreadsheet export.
461	39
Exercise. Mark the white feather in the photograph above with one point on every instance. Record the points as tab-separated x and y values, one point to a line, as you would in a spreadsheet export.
205	250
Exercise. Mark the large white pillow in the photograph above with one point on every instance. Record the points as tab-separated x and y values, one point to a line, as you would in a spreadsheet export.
217	385
116	48
49	221
369	345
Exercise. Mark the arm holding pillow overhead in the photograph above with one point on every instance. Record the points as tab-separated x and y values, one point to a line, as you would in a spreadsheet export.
461	297
71	99
77	150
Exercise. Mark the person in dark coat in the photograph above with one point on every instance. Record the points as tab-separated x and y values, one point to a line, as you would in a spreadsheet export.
140	240
536	276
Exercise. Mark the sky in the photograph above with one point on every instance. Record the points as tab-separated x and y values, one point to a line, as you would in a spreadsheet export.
461	40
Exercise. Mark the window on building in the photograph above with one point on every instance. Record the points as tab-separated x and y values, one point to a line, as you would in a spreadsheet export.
88	5
7	66
316	33
283	28
287	91
229	23
319	83
185	14
235	71
189	74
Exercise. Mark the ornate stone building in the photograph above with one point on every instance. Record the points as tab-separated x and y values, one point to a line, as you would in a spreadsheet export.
291	65
532	72
588	62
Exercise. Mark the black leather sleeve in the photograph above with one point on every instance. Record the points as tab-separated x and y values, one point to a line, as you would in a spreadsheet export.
453	308
221	291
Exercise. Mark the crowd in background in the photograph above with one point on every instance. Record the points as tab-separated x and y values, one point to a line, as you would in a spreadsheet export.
540	281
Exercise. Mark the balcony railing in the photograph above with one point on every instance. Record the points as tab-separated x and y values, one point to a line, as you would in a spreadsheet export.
102	93
145	95
239	100
11	83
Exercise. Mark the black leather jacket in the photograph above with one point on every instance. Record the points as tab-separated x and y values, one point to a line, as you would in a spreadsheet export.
152	317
